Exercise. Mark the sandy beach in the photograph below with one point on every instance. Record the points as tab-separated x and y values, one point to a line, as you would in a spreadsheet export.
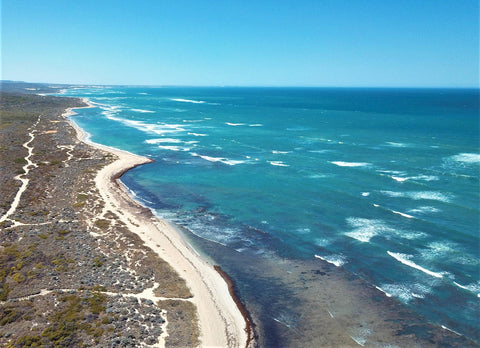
221	322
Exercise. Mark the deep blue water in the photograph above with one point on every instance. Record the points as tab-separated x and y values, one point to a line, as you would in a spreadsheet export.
383	182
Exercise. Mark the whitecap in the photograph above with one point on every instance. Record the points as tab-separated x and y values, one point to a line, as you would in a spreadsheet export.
318	151
419	195
174	148
143	111
365	194
386	293
234	124
188	101
256	125
394	172
425	177
280	152
232	162
350	164
198	134
159	129
304	230
393	193
405	259
473	287
436	250
394	144
405	291
162	140
322	242
365	229
418	177
467	157
219	159
424	210
278	163
318	176
192	121
337	260
402	214
429	195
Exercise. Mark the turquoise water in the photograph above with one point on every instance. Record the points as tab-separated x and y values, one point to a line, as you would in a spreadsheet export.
382	182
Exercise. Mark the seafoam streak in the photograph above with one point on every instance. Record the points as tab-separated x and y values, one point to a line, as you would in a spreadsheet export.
405	259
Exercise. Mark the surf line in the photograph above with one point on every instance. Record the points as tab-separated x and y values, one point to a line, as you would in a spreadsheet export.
250	326
404	259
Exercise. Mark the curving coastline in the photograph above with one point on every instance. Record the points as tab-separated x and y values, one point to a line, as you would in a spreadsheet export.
222	320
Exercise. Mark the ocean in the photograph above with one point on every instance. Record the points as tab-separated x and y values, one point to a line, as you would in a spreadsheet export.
376	185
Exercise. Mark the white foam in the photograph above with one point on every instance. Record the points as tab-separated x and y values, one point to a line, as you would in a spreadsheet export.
448	329
304	230
192	121
395	172
233	162
365	229
337	260
188	101
235	124
405	259
418	177
405	291
143	93
386	293
322	242
219	159
278	163
396	178
256	125
143	111
474	287
280	152
419	195
365	194
394	144
424	210
467	157
402	214
425	177
163	140
174	148
158	129
198	134
429	195
350	164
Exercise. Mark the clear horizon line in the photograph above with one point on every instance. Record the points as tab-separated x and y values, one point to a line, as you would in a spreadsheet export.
240	86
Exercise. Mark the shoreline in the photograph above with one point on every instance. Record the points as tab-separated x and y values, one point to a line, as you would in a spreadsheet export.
221	316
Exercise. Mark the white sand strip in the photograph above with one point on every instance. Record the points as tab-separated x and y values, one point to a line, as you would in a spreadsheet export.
221	322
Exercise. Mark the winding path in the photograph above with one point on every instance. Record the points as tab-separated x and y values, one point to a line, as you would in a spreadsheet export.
22	177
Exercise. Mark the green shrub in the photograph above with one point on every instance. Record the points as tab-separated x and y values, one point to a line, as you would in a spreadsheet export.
8	315
26	341
102	223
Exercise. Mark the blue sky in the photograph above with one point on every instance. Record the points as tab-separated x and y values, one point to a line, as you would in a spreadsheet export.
418	43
